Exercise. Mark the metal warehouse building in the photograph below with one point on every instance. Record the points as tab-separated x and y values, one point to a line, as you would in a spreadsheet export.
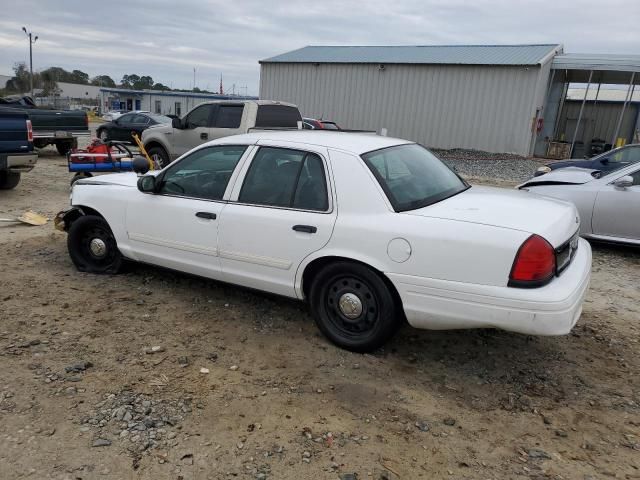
479	97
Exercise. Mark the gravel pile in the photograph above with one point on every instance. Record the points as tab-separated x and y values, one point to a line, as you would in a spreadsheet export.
501	166
137	420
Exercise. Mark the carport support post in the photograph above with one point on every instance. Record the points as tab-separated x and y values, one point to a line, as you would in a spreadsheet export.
575	132
624	107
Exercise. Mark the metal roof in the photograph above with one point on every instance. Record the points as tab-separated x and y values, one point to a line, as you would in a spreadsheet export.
172	93
606	68
597	61
421	54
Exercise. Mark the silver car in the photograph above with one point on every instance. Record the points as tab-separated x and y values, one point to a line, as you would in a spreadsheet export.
609	203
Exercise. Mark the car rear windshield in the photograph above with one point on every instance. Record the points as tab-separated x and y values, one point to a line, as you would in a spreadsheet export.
412	177
159	118
270	116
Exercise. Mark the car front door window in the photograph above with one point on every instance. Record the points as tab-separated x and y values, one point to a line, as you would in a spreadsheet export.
204	174
199	117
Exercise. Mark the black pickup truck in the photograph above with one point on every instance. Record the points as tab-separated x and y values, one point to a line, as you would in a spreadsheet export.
16	147
50	127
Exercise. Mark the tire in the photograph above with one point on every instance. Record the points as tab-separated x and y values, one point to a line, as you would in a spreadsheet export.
85	230
376	323
64	146
9	180
103	135
159	156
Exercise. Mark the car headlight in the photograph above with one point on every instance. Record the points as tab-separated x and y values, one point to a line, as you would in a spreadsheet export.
544	169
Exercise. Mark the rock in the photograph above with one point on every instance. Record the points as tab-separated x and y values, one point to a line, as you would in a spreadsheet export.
422	426
154	349
561	433
537	453
306	454
449	421
187	459
261	476
213	356
204	370
101	442
183	361
233	367
78	367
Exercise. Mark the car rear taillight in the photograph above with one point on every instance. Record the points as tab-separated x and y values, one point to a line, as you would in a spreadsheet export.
535	264
29	131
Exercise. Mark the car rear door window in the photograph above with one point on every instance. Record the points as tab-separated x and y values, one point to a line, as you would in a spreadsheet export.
229	116
199	117
286	178
126	119
204	174
284	116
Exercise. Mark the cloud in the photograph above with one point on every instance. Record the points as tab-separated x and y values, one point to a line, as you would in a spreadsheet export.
167	39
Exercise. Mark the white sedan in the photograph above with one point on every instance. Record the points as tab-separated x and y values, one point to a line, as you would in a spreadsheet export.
608	202
369	230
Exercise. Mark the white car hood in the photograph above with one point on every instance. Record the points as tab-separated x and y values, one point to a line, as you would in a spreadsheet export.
568	175
128	179
555	220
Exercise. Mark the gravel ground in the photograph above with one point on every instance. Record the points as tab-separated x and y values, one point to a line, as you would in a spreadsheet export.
485	165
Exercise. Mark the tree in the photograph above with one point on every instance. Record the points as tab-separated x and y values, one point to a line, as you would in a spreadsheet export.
78	76
103	81
128	81
19	83
159	86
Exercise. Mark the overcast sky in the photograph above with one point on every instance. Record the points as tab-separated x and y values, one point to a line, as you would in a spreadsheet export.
168	38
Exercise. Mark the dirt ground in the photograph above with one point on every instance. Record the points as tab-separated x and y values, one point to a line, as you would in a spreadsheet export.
85	395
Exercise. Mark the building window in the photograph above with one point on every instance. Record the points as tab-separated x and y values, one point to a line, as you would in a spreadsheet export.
178	109
158	109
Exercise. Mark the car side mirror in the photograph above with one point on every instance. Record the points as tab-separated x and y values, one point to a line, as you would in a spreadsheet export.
604	161
147	184
176	123
623	182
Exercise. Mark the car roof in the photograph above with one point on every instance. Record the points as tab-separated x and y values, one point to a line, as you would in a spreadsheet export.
357	143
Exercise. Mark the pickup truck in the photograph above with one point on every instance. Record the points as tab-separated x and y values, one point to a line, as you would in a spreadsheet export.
16	147
211	120
51	127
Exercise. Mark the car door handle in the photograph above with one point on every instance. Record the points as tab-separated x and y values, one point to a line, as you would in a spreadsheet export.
206	215
305	228
204	136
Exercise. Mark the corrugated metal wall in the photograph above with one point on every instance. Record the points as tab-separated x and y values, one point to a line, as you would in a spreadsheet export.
598	121
442	106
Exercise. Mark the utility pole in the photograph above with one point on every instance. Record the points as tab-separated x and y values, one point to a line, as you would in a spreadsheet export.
32	40
194	78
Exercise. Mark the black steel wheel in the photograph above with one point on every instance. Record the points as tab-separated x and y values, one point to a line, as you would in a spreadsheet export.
92	246
353	306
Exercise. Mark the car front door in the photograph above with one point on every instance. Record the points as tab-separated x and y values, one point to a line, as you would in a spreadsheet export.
177	227
281	210
196	129
138	125
122	128
616	212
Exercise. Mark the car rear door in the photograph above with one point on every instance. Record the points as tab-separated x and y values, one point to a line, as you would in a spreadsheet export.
177	227
281	210
616	212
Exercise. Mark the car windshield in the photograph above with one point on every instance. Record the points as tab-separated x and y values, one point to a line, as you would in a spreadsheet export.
159	118
412	177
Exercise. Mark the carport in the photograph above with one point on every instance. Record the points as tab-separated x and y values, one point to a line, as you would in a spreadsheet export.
594	71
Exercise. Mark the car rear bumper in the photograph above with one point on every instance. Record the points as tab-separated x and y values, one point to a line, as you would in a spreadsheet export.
18	162
549	310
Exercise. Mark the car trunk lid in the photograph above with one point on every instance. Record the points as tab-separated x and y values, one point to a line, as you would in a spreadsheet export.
555	220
